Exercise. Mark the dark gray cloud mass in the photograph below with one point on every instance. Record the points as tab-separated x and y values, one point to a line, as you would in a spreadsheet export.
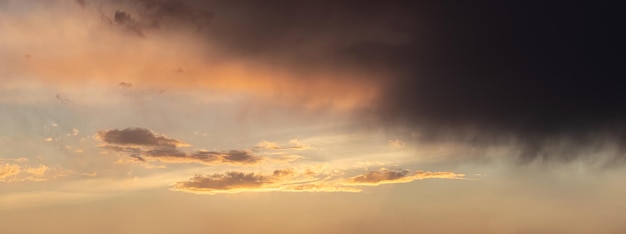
535	72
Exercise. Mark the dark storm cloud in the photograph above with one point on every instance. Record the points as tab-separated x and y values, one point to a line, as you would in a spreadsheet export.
541	73
537	73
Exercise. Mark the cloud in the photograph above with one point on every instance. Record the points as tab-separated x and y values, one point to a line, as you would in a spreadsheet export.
8	170
289	180
396	143
125	85
284	180
137	137
144	145
385	176
37	170
241	157
21	171
224	182
295	144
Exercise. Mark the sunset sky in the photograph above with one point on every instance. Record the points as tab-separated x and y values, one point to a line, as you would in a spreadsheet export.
246	116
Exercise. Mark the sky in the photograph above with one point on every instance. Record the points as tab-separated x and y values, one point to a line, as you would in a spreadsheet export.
244	116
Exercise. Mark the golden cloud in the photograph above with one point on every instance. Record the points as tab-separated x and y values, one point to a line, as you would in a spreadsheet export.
385	176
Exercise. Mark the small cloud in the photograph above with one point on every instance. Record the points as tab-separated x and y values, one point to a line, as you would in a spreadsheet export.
123	19
224	182
19	170
385	176
294	145
283	172
8	170
204	157
125	85
137	137
144	145
366	164
21	160
73	133
63	100
37	170
267	145
396	143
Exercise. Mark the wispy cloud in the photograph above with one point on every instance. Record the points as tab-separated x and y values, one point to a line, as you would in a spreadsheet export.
294	144
385	176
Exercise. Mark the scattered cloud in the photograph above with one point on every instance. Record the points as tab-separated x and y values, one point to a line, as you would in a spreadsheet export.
396	143
19	170
125	85
386	176
8	170
144	145
294	144
289	180
137	137
204	157
285	180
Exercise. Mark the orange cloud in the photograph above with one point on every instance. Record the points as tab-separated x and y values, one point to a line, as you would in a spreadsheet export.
8	170
385	176
20	171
